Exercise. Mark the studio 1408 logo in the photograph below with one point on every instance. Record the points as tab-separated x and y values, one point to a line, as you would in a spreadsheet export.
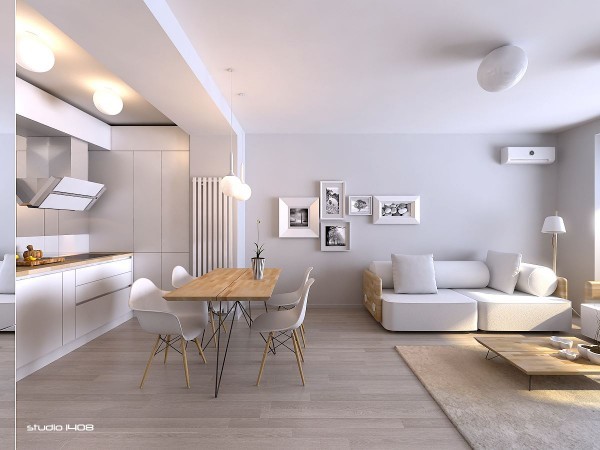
60	427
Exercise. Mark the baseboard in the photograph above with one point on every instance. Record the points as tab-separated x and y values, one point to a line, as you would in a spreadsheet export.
321	306
36	365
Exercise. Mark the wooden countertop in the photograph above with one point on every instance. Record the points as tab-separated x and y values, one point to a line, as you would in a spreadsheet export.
72	262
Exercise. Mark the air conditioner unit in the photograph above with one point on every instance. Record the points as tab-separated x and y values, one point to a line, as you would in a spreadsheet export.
527	155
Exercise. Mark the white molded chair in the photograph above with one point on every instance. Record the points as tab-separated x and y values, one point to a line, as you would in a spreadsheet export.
163	318
290	299
281	322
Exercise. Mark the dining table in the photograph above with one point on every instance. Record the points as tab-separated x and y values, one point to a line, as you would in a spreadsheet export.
230	287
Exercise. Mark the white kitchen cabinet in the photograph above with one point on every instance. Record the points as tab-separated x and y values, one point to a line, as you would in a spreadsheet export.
68	303
175	202
95	313
103	270
146	201
39	316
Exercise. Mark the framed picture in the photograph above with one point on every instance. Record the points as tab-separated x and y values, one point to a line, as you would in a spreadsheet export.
333	194
360	205
298	217
397	209
335	236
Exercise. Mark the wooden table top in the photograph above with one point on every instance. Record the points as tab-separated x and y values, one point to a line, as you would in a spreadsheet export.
227	284
536	356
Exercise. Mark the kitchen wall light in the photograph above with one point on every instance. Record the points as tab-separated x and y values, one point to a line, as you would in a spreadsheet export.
108	101
33	53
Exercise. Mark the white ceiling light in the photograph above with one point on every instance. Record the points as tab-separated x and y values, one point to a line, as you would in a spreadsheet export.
108	101
502	68
242	190
33	53
230	182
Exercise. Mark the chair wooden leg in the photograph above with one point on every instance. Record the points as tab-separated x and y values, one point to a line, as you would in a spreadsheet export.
200	350
167	348
296	352
297	340
150	360
302	334
185	365
264	358
212	325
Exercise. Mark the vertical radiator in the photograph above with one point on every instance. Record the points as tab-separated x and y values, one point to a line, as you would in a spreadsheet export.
212	226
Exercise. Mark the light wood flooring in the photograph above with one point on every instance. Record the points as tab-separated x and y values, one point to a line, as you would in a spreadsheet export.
359	393
7	390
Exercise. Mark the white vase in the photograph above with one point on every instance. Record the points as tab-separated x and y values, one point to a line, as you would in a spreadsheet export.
258	268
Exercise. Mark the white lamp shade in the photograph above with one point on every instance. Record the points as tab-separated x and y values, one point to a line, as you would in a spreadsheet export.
33	53
108	101
242	192
554	224
229	185
502	68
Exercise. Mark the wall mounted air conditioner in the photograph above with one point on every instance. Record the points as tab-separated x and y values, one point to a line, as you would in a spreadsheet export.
527	155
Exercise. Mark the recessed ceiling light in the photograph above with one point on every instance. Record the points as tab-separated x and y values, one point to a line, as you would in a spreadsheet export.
502	68
33	53
108	101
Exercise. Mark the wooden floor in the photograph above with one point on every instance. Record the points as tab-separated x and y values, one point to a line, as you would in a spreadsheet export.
7	390
359	393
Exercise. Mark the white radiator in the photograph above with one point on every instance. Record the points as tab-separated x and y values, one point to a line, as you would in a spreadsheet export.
212	226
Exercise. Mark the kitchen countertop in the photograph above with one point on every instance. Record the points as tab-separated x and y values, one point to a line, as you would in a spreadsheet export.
71	262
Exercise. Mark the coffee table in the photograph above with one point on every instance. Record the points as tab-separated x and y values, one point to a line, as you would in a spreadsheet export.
536	356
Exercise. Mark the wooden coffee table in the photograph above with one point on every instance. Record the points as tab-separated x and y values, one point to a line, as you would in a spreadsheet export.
536	356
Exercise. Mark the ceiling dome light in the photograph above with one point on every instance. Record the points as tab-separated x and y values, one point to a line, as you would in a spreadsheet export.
108	101
502	68
33	53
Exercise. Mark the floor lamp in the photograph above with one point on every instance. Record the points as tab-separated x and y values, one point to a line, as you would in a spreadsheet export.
554	225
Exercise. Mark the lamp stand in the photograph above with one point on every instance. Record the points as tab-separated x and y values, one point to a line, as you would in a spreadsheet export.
554	250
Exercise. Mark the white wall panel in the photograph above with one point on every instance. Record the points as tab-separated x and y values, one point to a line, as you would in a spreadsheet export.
169	261
175	202
147	201
148	265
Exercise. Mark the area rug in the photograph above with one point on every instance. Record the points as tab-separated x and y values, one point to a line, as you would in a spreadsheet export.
489	402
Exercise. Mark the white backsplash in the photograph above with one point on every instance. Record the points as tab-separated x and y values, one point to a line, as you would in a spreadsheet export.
61	245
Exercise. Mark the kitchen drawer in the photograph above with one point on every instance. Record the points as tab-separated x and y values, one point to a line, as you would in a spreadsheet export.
102	287
100	271
100	311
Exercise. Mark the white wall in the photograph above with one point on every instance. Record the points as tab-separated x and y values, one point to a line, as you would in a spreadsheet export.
145	209
577	177
469	202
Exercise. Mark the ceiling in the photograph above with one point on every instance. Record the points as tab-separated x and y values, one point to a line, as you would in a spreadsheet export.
76	75
346	66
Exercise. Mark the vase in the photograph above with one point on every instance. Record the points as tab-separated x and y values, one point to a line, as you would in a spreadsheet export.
258	268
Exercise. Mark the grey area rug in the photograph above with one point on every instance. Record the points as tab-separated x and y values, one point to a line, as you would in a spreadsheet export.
489	402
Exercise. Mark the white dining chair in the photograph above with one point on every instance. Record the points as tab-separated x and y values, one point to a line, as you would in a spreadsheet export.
282	322
157	316
180	277
289	300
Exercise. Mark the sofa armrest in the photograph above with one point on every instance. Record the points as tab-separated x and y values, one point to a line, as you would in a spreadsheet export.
372	294
592	291
562	289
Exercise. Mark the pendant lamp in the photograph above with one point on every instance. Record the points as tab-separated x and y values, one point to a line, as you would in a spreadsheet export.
230	182
242	191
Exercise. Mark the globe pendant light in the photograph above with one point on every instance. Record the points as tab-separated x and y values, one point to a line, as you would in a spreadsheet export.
33	53
502	68
230	182
242	191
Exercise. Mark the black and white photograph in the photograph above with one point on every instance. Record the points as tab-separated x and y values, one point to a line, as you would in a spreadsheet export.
396	210
335	236
299	217
360	205
333	194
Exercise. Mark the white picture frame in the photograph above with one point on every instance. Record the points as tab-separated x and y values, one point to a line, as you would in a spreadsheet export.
298	217
395	203
342	244
356	208
332	195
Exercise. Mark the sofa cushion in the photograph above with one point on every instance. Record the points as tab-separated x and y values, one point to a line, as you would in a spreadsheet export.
461	274
383	269
7	275
413	274
445	311
504	270
497	311
536	280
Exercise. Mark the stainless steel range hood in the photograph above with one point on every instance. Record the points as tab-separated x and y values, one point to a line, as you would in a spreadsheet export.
58	193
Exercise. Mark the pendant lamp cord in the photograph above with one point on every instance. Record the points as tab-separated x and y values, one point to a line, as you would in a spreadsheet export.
230	70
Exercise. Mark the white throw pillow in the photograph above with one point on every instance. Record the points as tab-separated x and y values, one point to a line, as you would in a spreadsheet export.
413	274
536	280
7	275
504	270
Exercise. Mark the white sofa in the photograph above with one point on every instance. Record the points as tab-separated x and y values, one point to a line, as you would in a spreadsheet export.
7	293
463	302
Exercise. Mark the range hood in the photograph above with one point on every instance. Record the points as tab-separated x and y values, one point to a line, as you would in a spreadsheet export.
58	193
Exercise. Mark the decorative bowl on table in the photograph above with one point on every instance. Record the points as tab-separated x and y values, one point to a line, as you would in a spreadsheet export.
571	355
593	357
560	342
583	350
